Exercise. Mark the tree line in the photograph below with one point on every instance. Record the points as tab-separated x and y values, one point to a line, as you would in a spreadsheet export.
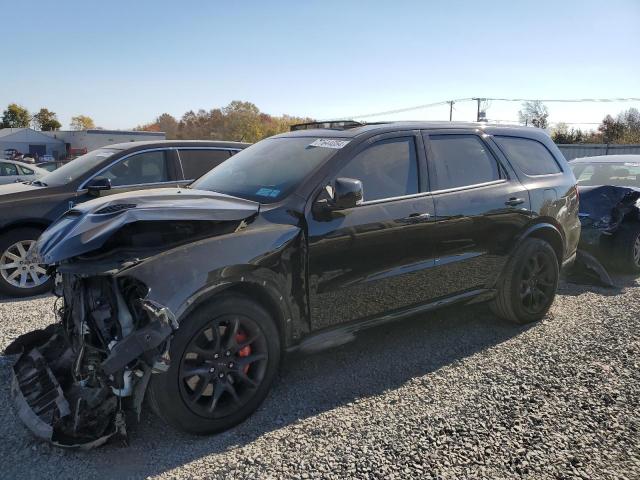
239	121
244	122
16	116
623	129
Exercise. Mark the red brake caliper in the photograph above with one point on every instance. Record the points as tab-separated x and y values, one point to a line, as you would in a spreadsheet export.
246	351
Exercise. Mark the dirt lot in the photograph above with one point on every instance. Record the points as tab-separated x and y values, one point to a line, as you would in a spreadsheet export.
455	394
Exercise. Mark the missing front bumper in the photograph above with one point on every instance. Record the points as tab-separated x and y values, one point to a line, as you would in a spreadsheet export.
56	410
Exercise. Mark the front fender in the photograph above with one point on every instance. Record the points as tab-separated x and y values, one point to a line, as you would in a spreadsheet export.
266	257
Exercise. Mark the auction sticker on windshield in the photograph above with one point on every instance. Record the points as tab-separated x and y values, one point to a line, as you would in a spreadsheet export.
329	143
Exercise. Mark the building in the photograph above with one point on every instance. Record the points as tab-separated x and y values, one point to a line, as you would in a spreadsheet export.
67	143
78	142
27	140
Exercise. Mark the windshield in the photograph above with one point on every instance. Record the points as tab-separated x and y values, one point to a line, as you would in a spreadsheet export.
78	167
269	170
620	174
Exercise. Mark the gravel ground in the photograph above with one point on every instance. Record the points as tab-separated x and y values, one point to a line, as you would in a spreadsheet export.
454	394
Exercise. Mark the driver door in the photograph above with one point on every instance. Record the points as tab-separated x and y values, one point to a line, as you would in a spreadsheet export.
362	260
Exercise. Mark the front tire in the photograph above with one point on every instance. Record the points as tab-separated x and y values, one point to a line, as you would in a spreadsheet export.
528	284
19	275
224	358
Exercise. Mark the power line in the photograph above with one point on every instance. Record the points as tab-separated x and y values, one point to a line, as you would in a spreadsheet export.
565	100
407	109
478	99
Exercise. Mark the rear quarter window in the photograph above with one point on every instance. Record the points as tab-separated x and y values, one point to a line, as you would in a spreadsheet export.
529	156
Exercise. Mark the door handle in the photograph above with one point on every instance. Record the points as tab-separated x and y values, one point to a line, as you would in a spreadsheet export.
513	201
418	217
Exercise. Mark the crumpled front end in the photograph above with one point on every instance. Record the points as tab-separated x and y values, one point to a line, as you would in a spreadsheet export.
125	265
603	210
74	381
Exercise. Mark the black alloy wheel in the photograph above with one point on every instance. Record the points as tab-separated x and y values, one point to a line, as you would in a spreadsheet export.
537	283
528	284
223	359
222	366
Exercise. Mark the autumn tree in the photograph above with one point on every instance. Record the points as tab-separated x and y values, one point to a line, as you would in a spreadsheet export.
46	120
242	122
164	123
82	122
239	121
15	116
534	113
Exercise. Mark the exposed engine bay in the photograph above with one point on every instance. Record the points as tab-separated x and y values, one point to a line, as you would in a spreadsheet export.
76	378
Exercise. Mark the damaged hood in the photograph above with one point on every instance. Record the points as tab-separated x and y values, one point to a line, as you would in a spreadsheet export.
89	225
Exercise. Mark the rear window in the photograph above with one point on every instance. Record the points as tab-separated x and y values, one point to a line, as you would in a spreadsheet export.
8	170
529	156
460	161
196	163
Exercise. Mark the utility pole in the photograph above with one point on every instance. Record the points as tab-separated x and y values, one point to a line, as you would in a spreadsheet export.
451	102
478	112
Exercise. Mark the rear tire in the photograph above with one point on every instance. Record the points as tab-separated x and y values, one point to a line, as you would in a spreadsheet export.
626	248
220	370
12	246
528	284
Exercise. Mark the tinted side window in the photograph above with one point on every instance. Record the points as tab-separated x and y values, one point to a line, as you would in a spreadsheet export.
529	156
386	169
8	169
461	160
25	170
147	167
196	163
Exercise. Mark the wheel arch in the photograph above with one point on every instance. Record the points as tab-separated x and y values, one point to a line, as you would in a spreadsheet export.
260	292
29	223
550	233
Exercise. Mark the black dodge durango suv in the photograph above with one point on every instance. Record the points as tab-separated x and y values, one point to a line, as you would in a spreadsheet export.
193	294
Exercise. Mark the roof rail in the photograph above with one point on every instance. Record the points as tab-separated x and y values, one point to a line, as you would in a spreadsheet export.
329	124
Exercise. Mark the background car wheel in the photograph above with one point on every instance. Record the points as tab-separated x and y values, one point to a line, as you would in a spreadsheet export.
529	282
626	248
224	358
19	275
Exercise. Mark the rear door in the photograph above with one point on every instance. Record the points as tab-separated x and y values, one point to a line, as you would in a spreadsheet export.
480	206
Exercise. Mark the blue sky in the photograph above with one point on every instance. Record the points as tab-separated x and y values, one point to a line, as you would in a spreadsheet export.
124	63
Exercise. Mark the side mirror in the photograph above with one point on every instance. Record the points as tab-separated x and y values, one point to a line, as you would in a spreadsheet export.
98	184
348	193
